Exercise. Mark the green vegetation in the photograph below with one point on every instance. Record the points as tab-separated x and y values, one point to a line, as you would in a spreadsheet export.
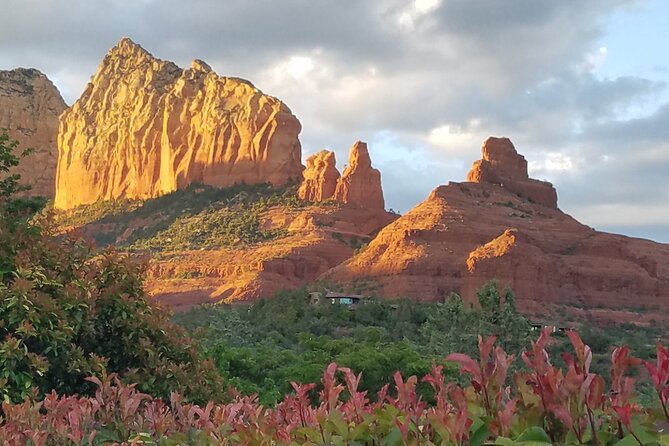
68	313
262	347
192	218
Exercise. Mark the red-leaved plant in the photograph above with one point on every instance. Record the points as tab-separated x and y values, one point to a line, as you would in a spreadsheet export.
541	405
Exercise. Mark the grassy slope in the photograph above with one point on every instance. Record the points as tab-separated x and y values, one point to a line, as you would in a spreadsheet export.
195	217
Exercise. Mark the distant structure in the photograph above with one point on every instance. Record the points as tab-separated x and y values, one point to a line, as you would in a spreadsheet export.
345	299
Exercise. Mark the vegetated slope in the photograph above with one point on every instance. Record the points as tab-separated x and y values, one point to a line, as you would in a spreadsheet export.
207	244
505	226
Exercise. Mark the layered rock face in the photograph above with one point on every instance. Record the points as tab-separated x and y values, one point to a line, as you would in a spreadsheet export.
358	187
320	177
502	165
29	108
360	183
144	127
465	234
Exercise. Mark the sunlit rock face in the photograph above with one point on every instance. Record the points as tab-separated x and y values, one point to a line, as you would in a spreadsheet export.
320	177
29	108
359	186
500	164
494	227
360	183
145	127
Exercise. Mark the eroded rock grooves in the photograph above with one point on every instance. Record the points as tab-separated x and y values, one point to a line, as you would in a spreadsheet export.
144	127
359	186
29	108
320	177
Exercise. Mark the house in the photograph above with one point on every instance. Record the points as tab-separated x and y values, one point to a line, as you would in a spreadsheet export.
538	326
345	299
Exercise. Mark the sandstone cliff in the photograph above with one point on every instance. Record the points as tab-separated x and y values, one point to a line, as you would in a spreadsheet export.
359	186
144	127
29	108
360	183
502	165
320	177
465	234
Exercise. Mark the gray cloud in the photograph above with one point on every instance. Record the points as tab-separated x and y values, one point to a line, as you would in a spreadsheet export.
420	82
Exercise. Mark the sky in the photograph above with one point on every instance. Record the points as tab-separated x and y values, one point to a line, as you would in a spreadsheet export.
580	86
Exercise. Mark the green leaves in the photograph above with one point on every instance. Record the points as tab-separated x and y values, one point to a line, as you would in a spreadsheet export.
533	436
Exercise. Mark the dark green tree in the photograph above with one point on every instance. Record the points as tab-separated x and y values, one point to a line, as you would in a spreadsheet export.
67	312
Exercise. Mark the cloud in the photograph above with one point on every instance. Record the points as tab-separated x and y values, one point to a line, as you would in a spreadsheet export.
424	81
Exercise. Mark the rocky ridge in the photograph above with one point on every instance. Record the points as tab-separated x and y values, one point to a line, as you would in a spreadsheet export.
359	185
320	177
29	108
144	127
500	164
465	234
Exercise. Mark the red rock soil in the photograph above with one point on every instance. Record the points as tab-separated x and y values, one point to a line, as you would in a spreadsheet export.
319	239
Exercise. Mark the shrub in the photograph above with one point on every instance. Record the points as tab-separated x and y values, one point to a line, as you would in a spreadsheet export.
67	313
545	405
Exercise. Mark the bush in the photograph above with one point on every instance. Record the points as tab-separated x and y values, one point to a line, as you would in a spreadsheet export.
543	405
67	313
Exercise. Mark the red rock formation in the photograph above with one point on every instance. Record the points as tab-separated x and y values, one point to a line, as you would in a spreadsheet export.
317	239
360	184
320	177
465	234
29	108
502	165
144	127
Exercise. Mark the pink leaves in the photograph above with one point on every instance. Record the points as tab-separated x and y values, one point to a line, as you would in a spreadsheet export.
571	405
659	375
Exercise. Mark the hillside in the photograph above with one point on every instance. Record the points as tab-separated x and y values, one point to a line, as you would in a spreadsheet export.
503	225
201	175
206	244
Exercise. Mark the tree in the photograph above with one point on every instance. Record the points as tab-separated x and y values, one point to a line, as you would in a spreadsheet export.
68	312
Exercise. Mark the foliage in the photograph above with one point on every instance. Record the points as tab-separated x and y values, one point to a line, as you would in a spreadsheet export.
544	405
268	370
9	182
263	346
196	217
67	313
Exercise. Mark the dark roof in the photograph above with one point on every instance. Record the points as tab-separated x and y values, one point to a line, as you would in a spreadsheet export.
332	295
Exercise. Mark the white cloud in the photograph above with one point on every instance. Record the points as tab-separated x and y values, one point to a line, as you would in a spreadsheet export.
408	16
455	139
595	59
553	162
623	214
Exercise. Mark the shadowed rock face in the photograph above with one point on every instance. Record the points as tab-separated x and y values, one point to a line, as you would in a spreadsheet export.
144	127
29	108
502	165
465	234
